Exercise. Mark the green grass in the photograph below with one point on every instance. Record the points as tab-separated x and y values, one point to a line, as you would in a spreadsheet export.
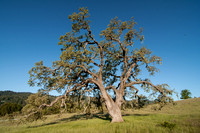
181	118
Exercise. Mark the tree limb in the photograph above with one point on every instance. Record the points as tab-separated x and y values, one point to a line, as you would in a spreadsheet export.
91	73
145	82
108	87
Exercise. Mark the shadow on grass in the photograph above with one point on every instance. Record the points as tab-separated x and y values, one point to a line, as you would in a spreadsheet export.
77	117
105	117
136	115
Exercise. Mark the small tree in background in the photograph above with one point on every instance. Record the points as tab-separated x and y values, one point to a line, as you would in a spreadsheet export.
185	94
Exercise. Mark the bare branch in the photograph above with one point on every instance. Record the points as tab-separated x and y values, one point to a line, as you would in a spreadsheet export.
145	82
118	85
101	53
108	87
120	43
124	60
128	73
91	59
91	73
114	75
45	105
68	74
89	90
95	63
134	88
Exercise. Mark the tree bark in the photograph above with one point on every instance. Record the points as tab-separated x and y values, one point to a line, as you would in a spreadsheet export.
115	112
119	98
112	107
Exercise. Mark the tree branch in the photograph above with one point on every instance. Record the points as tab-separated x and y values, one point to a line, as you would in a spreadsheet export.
91	73
113	75
134	88
128	73
108	87
68	74
145	82
101	53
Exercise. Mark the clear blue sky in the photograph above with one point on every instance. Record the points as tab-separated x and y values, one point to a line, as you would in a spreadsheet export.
30	31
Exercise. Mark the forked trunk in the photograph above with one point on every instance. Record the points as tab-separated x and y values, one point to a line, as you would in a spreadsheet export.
116	114
114	110
112	107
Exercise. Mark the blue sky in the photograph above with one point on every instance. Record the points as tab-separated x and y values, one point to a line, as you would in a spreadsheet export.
30	31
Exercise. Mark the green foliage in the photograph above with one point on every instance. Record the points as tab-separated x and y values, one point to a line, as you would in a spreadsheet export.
110	65
142	101
78	103
35	117
74	104
185	94
35	100
9	108
168	125
13	97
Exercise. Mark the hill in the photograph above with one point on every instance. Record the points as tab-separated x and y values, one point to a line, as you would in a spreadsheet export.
13	97
184	117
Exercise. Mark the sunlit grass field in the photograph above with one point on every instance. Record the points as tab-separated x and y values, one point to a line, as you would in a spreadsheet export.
184	117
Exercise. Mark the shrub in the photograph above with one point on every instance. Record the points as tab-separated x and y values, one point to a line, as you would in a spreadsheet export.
9	108
168	125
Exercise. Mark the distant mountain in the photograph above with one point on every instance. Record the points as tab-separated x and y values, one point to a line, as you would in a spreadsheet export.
13	97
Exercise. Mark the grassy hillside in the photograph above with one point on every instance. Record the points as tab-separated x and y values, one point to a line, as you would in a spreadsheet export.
184	117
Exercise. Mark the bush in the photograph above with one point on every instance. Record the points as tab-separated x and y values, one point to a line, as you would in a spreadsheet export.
9	108
35	100
168	125
35	117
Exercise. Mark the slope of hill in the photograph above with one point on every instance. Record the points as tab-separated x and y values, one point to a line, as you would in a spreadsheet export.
13	97
187	106
184	117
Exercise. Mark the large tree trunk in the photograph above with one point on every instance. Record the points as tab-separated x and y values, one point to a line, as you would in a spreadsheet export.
114	111
119	99
113	108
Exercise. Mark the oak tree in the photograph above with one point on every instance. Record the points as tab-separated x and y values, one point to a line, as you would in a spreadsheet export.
185	94
112	64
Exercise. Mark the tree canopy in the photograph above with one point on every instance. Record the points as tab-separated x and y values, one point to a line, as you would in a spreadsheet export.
185	94
112	64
